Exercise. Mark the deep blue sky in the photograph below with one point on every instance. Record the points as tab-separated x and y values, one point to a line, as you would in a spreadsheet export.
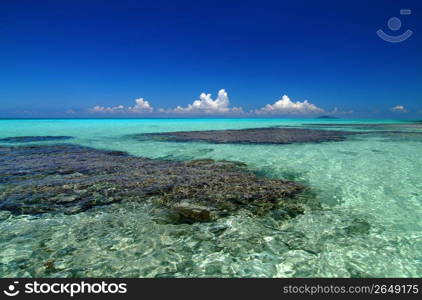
61	55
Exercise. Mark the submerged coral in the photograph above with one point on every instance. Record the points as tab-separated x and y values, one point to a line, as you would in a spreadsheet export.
272	135
71	179
27	139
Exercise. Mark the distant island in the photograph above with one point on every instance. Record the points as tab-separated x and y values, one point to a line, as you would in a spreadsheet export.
327	117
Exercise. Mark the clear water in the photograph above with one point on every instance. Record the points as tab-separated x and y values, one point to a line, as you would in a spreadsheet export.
366	180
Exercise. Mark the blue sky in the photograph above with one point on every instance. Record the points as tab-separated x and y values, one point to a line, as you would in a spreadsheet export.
94	58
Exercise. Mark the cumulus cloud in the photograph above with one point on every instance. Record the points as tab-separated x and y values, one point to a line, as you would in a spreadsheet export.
141	106
287	106
399	108
205	104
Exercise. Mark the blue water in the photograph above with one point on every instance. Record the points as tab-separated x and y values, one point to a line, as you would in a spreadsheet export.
369	181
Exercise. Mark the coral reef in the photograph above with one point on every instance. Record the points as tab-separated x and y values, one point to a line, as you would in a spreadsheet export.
251	136
72	178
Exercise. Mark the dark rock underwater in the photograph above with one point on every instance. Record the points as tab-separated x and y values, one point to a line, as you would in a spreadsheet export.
28	139
287	135
273	135
72	178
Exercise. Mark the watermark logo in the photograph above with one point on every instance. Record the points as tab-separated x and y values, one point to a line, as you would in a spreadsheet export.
394	24
65	288
11	290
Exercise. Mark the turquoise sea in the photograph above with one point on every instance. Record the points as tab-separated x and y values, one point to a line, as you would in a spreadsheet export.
369	223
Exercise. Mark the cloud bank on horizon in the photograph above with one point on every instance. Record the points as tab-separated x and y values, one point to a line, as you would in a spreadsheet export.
206	105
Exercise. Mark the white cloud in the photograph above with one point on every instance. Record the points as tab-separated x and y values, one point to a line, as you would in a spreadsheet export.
109	109
207	105
287	106
399	108
141	106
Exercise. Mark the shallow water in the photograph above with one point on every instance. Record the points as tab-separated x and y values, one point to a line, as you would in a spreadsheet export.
369	225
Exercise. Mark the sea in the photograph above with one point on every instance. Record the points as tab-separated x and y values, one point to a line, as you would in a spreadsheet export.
367	221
